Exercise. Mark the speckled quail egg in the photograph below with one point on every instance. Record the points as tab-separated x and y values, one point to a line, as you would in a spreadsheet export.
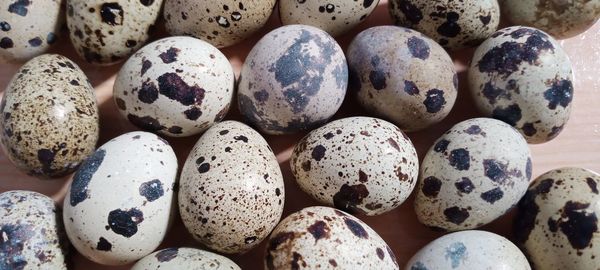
357	164
453	24
294	79
28	28
336	17
49	117
222	23
324	237
403	76
176	86
468	250
105	32
559	18
473	174
231	189
120	204
184	258
557	221
523	77
32	233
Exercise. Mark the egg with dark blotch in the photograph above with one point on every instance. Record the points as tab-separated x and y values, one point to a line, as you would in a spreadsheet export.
32	233
473	174
357	164
523	77
402	75
121	201
557	221
185	258
294	79
104	32
49	117
176	86
231	191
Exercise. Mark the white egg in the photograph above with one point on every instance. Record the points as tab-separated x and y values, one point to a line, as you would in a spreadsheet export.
184	258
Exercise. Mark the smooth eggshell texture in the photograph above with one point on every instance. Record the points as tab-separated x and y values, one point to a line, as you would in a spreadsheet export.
523	77
49	117
473	174
231	189
184	258
120	204
294	79
176	86
403	76
357	164
557	221
32	232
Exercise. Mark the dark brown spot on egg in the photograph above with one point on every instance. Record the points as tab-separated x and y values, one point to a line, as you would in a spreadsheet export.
146	64
592	184
493	195
460	159
362	176
103	245
464	185
125	222
418	47
173	87
410	11
148	93
112	13
319	230
193	113
166	255
431	186
456	215
318	152
434	101
169	56
348	197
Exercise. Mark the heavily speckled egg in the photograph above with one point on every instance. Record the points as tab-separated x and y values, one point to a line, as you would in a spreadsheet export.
119	206
32	233
357	164
231	189
177	86
453	24
184	258
403	76
557	221
323	237
473	174
523	77
28	28
336	17
105	32
49	117
294	79
221	23
468	250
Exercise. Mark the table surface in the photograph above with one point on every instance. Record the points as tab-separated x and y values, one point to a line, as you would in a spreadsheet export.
578	145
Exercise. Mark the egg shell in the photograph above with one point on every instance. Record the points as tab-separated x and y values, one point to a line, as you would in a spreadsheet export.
401	75
184	258
33	235
557	221
453	24
468	250
120	204
28	28
357	164
473	174
336	17
523	77
49	117
221	23
294	79
106	32
231	189
176	86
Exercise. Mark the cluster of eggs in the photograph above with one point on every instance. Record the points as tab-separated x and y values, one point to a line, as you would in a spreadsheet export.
230	192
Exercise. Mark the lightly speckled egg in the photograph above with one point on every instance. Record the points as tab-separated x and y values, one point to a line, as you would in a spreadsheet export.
184	258
557	221
523	77
357	164
28	28
176	86
453	24
32	232
105	32
403	76
49	117
324	237
231	189
473	174
468	250
120	204
559	18
294	79
221	23
336	17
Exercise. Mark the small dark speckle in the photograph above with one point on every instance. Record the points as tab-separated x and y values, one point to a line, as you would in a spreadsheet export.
130	43
147	2
5	26
103	245
74	82
6	43
380	253
411	88
356	228
473	130
441	146
203	168
592	184
250	240
193	113
241	138
491	196
166	255
223	132
318	152
35	42
485	19
529	129
146	64
456	215
169	56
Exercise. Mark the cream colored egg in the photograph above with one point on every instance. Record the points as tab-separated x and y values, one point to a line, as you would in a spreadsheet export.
184	258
